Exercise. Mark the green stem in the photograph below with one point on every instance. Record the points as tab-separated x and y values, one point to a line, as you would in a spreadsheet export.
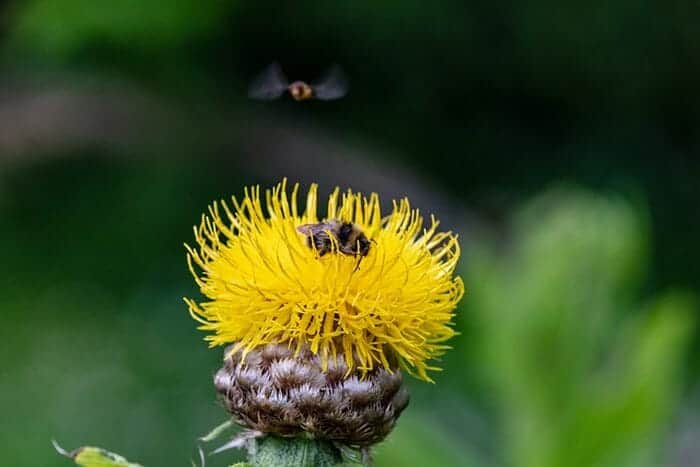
273	451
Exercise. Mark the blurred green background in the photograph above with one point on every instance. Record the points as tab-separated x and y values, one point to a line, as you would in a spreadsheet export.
559	140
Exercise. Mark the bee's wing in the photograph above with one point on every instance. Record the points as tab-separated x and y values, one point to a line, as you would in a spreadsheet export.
333	84
316	230
307	229
269	84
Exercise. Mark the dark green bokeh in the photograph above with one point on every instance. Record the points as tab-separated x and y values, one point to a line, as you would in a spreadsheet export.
578	345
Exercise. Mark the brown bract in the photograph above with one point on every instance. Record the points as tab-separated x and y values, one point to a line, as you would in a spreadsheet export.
275	392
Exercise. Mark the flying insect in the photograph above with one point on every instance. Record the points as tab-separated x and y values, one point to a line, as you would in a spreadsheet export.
272	84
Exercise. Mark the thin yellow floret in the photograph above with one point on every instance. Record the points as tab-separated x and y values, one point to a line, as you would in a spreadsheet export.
265	285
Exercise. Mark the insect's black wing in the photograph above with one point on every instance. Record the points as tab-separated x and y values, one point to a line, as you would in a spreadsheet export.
270	84
332	85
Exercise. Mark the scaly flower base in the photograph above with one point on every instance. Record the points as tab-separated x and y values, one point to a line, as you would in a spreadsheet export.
274	392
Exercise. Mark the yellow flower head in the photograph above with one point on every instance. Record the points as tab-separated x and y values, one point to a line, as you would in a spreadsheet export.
265	284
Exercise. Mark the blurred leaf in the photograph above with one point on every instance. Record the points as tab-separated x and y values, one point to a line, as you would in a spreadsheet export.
89	456
581	378
59	28
419	439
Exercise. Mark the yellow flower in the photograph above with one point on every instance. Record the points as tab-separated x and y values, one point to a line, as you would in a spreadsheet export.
266	285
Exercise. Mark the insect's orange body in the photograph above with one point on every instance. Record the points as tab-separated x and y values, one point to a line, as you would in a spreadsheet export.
300	91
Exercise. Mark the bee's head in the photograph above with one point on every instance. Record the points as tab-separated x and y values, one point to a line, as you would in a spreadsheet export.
300	91
363	244
353	240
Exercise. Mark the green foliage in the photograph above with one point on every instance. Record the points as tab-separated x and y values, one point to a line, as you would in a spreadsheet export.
60	28
422	439
582	372
90	456
96	343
